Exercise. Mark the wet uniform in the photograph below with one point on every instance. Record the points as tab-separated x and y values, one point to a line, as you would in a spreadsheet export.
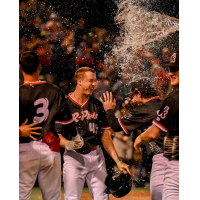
90	120
44	103
168	121
141	118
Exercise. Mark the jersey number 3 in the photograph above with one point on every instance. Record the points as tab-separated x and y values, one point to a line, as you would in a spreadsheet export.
43	109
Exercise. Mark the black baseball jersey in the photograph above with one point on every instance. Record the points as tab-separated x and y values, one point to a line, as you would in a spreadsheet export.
90	119
44	103
141	118
168	121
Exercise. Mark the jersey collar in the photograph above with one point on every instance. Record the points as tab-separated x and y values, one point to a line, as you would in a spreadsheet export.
34	83
81	105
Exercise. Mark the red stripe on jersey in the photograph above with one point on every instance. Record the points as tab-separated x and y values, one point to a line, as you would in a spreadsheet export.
157	97
106	127
161	127
83	105
64	122
34	83
122	125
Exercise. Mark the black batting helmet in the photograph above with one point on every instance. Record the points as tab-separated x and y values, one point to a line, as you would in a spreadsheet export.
118	184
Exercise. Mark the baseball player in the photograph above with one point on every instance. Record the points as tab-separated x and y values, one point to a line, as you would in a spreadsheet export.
43	103
146	103
27	130
167	121
90	119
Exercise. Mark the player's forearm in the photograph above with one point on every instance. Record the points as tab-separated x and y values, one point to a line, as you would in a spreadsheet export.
63	141
109	146
151	134
113	121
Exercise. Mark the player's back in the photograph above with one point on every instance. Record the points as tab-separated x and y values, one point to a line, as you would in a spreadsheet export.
39	102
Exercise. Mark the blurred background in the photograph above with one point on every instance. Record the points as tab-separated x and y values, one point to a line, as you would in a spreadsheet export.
71	34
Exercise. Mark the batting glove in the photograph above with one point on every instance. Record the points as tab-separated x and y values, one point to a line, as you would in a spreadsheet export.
79	142
69	145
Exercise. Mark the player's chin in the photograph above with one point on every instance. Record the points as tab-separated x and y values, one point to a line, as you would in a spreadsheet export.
89	92
174	82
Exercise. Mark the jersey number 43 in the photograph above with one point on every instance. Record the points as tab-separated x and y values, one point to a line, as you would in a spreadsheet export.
93	128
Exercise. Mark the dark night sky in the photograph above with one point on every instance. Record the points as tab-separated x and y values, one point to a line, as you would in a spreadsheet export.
96	12
101	13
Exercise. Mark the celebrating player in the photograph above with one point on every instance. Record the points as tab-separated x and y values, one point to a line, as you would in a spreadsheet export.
146	103
43	103
167	121
92	125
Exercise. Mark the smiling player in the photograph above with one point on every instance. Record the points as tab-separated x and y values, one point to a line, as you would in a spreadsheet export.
90	118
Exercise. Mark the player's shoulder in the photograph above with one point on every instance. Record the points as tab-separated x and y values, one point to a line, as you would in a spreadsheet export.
155	102
149	108
51	87
55	90
40	88
172	101
173	96
40	83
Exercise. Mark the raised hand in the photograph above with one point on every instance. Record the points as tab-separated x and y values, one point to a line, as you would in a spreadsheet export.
109	102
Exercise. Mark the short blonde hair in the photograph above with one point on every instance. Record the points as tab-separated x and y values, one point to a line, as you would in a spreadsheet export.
80	73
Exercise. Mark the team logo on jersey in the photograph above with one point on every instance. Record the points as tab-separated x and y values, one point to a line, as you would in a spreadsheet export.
173	58
85	115
163	114
127	116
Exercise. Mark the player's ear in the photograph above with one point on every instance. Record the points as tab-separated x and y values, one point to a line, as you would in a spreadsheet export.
139	94
79	81
39	67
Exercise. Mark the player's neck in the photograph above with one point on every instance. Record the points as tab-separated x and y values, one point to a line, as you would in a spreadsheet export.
30	77
79	97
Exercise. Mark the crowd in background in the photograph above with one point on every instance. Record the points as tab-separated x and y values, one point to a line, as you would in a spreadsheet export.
64	47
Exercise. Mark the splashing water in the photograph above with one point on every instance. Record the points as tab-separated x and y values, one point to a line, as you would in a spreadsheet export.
139	29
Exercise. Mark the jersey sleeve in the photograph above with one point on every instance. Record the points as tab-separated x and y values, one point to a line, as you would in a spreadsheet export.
64	122
166	113
113	121
130	121
133	121
102	118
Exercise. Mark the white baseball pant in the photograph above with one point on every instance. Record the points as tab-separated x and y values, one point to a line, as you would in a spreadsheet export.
90	167
36	159
171	181
159	163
